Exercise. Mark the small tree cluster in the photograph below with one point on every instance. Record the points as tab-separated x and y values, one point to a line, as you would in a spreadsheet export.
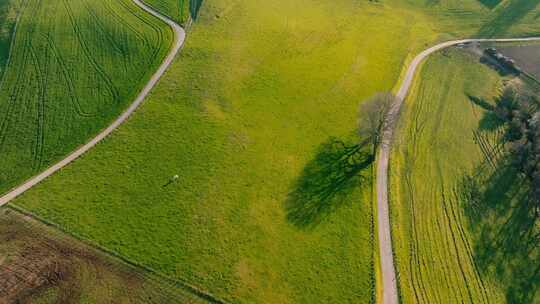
521	112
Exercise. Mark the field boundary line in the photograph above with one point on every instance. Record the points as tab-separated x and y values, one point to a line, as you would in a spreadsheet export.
179	39
139	268
390	294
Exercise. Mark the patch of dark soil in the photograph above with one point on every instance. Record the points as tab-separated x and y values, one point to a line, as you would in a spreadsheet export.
37	262
527	57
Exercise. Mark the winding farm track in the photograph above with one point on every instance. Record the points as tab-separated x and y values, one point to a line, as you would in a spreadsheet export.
179	38
390	288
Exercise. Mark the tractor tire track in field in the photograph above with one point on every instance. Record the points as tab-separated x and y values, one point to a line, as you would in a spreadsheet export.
390	294
157	30
108	9
105	33
40	118
14	92
68	79
20	81
88	54
469	251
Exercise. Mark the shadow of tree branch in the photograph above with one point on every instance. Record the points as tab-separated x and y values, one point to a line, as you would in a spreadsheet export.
505	233
326	182
194	8
496	199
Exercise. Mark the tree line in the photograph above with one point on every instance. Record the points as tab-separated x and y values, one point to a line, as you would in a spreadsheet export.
519	110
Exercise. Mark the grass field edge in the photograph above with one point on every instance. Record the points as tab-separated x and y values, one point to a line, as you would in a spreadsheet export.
140	268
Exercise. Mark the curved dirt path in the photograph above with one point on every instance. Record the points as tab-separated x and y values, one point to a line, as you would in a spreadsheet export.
390	289
179	38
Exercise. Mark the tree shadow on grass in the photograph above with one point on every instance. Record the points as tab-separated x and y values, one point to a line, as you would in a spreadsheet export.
327	181
194	8
505	233
491	4
481	102
496	66
490	121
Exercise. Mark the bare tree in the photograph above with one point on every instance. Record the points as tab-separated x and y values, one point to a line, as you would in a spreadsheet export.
372	115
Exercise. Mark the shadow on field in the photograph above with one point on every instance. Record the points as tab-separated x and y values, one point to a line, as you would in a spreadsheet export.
505	231
506	235
494	65
481	102
491	4
507	16
194	8
326	182
489	121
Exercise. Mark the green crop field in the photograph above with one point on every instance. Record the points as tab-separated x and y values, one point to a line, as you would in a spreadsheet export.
443	253
254	117
71	73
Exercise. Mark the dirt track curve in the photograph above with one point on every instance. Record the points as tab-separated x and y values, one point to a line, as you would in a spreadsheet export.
179	38
390	289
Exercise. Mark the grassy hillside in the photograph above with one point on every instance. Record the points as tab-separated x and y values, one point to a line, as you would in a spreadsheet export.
249	118
441	252
70	73
244	117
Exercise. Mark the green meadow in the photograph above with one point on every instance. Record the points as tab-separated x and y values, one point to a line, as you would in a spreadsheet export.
69	74
254	117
